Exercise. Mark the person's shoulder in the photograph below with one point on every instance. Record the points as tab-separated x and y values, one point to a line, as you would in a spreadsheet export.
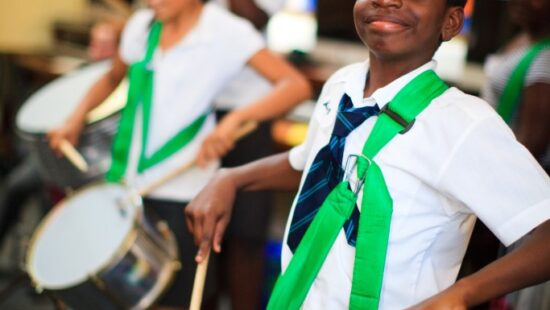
134	36
540	68
141	19
138	25
465	109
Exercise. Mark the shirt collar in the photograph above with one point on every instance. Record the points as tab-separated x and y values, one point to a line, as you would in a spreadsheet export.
355	84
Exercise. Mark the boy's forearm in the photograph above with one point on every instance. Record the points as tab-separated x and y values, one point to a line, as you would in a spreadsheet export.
270	173
528	265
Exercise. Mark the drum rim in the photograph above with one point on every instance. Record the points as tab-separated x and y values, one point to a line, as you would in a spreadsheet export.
167	276
122	249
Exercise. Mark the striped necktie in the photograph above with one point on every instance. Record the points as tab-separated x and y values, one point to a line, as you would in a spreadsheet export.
326	172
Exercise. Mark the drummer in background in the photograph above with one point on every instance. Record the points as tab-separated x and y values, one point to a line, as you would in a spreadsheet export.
169	122
530	112
242	261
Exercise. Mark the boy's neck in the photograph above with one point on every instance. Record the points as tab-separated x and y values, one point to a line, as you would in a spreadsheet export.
176	28
186	17
383	72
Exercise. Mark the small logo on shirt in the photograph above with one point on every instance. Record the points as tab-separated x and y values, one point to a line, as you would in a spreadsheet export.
327	108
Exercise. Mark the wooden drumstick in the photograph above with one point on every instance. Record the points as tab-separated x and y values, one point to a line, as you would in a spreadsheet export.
198	285
73	155
242	132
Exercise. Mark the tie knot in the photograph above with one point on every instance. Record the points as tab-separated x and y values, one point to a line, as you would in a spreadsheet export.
348	118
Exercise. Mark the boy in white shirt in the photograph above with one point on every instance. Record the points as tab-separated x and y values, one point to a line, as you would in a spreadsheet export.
431	168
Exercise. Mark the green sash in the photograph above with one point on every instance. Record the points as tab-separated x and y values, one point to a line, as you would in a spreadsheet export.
510	98
141	92
376	210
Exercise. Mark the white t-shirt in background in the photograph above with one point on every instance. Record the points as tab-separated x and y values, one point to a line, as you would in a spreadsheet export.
187	78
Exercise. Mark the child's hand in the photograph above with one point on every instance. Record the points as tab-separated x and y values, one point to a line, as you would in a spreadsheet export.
219	142
70	132
208	214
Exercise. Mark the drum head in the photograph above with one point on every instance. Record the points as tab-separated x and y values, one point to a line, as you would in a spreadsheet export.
81	235
50	106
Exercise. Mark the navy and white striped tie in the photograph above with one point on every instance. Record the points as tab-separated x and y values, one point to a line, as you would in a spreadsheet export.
326	172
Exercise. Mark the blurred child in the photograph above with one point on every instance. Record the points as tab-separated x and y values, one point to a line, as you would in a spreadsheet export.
179	54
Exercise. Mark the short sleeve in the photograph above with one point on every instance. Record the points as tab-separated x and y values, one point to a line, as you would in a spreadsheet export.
133	41
238	39
539	71
498	180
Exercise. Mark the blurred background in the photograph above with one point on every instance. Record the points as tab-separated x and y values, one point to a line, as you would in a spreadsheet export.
42	40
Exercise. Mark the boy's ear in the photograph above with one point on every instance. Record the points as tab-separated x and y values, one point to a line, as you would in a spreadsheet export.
454	19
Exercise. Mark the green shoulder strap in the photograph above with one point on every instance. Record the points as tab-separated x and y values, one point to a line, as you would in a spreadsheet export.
510	97
140	81
376	208
377	205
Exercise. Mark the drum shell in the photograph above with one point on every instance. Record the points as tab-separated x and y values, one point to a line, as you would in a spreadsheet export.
115	288
134	276
94	145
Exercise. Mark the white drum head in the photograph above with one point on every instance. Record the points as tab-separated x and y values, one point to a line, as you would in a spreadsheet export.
50	106
81	235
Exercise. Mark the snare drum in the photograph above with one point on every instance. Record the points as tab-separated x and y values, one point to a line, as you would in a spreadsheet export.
96	250
49	107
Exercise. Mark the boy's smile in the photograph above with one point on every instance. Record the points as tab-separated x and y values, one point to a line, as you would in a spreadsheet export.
384	23
404	29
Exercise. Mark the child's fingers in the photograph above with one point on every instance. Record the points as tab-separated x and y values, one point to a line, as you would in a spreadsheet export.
189	223
219	231
205	239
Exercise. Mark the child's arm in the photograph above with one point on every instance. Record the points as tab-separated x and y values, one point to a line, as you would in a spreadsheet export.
99	91
526	266
208	214
289	89
533	129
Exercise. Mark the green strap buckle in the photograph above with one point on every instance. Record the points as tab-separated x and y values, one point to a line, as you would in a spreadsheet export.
397	118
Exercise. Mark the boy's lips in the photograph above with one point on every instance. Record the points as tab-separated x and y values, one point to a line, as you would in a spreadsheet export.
386	23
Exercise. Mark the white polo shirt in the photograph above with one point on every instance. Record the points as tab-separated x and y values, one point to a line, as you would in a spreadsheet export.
249	85
188	76
457	162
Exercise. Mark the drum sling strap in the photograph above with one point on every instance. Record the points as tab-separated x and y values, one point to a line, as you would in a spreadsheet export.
376	210
141	91
510	98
